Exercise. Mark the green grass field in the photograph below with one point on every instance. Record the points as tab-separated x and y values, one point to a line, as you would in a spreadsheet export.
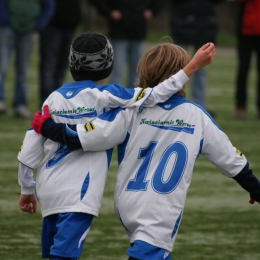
218	221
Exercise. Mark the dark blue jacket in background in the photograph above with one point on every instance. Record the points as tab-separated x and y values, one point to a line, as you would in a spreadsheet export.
193	21
133	25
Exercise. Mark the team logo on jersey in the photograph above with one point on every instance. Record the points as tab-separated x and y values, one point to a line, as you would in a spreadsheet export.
177	125
89	127
238	152
75	113
140	95
69	94
77	110
167	105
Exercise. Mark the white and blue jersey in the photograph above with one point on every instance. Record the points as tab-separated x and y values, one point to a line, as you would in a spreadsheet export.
73	181
157	150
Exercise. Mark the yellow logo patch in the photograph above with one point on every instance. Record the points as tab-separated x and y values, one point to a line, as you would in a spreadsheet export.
89	127
140	95
238	152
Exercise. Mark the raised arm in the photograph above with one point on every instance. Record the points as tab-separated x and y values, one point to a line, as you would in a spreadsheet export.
116	96
164	90
67	134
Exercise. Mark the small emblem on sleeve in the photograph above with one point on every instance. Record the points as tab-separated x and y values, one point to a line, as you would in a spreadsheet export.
89	127
140	95
238	152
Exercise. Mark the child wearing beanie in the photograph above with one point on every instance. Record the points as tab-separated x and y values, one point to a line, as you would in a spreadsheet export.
91	57
70	182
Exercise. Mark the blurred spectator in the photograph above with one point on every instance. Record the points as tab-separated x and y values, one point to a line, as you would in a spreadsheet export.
19	20
127	27
55	40
248	41
193	23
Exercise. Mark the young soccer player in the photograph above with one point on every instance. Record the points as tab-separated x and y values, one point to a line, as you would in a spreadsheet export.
69	184
157	150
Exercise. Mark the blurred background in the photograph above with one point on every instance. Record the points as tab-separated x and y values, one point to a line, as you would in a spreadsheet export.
218	222
226	13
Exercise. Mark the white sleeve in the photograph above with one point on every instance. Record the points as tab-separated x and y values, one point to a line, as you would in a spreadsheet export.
218	149
163	90
32	149
116	96
106	132
25	180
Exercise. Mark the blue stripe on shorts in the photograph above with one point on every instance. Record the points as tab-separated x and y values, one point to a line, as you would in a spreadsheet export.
64	234
144	251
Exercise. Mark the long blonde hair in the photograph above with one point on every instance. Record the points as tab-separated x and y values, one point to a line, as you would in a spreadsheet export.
159	63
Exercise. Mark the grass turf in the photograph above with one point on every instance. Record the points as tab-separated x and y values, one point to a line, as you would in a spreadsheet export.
218	222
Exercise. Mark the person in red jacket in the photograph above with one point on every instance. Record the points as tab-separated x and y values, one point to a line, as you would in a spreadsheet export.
248	41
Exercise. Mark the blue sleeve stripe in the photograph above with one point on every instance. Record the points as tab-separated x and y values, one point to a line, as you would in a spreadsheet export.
71	132
25	164
205	111
111	114
201	145
70	90
118	91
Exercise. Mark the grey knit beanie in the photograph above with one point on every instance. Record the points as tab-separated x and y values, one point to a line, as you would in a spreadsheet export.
91	57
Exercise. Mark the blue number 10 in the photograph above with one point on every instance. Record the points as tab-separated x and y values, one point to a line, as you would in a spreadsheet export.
158	184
